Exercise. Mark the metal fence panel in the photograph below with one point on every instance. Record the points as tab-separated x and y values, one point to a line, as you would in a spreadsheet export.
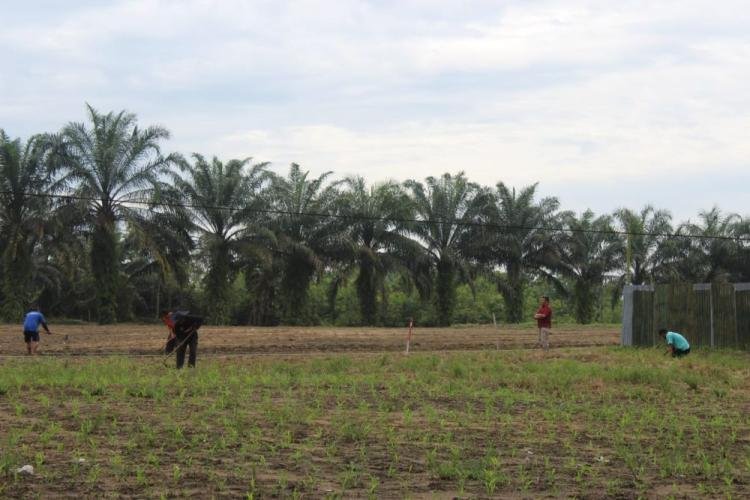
681	307
709	315
742	304
725	316
643	317
701	335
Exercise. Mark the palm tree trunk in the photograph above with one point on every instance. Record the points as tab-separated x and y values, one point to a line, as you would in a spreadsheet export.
295	284
584	296
217	285
16	276
158	297
513	295
446	291
104	263
367	290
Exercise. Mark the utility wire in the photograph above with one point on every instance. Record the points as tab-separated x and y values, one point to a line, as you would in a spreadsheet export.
372	218
250	353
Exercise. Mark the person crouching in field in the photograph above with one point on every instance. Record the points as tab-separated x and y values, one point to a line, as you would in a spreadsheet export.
186	327
677	345
543	318
31	329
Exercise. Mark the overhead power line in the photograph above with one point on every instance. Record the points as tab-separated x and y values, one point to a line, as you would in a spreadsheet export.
363	217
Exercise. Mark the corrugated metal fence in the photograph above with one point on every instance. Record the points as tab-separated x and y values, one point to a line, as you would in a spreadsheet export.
709	315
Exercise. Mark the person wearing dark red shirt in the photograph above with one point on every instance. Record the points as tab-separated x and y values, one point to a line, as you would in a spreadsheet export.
183	334
168	320
543	318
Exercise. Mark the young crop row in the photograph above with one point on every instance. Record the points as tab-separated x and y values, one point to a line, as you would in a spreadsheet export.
587	422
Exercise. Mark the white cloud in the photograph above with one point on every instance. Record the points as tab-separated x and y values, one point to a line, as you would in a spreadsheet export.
563	91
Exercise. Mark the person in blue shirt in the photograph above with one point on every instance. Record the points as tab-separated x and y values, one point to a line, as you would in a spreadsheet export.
677	345
31	329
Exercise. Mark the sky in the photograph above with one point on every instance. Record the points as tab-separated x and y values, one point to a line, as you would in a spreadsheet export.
606	104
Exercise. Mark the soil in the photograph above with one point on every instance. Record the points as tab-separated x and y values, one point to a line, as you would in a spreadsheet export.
396	447
139	339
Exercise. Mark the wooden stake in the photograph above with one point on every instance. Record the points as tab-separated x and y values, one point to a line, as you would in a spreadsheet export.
408	336
494	322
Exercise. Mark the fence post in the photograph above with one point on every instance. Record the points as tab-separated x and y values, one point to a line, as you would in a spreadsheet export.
626	336
736	320
497	342
740	320
711	307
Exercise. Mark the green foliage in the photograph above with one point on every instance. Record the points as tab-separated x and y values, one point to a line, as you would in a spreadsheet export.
112	162
242	245
486	424
643	260
104	267
479	306
379	238
587	252
440	202
704	260
522	247
303	242
224	200
24	170
404	303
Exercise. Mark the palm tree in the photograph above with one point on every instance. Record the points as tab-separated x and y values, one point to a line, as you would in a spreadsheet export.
156	256
378	230
587	251
26	177
262	271
444	206
114	164
63	266
645	230
704	251
741	261
521	244
225	200
307	238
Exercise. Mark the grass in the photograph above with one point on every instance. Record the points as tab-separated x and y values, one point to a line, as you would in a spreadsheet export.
577	422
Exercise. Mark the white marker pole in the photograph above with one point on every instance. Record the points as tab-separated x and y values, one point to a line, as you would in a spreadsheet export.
408	336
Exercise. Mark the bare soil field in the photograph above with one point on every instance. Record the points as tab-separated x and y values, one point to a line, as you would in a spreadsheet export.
91	339
591	422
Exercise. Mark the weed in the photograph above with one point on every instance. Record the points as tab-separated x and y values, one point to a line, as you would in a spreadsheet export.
350	478
176	473
94	472
475	422
140	476
372	487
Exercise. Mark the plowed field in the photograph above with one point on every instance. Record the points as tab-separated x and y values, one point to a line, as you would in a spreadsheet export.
79	340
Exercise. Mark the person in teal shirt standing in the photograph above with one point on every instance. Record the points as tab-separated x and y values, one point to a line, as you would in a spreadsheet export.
676	343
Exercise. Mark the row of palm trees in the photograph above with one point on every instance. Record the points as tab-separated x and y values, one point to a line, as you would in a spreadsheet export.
93	216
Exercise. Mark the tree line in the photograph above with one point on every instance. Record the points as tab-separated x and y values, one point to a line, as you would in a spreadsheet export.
97	222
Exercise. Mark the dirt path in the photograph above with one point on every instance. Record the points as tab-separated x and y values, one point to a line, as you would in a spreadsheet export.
139	339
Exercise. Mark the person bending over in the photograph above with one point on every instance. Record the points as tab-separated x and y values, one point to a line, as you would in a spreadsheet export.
186	335
677	345
31	329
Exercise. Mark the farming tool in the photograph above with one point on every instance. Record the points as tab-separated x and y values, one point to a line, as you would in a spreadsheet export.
168	355
187	325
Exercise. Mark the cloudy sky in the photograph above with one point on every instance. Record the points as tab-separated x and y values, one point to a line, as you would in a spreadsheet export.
607	104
